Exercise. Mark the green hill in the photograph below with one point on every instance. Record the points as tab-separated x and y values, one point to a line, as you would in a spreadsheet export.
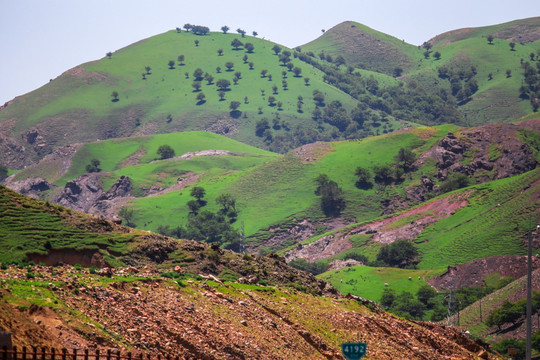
365	48
484	79
78	105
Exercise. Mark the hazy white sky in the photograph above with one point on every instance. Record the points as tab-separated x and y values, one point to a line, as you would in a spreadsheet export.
40	39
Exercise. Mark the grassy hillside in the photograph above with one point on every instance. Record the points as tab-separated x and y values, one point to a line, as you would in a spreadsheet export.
365	48
35	227
369	282
78	106
497	97
283	187
493	223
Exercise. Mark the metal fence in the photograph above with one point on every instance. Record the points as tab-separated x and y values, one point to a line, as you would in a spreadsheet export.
43	353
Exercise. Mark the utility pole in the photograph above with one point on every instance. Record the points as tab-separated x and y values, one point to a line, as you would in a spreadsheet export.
528	346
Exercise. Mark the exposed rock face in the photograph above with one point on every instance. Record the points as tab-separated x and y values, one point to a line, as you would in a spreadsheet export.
31	187
489	152
472	273
86	194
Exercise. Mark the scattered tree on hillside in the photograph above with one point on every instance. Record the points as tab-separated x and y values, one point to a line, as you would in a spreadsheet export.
383	174
306	81
364	178
196	86
263	73
109	54
225	28
165	152
143	76
276	49
245	59
490	39
318	97
201	98
93	166
198	74
236	44
147	69
405	158
127	215
171	64
220	52
241	32
178	30
221	95
196	42
332	199
512	46
387	298
254	33
223	84
271	101
188	27
261	126
114	95
234	105
397	72
508	73
209	79
251	64
297	71
180	60
249	47
400	253
218	70
194	206
453	182
426	54
425	294
200	30
228	205
437	55
198	192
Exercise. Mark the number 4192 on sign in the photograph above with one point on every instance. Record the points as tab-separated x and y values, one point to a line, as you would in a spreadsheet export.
354	351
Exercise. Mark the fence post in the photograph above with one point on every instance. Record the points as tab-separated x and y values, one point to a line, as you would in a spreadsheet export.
85	354
14	353
64	353
108	354
34	352
74	354
118	354
97	354
43	353
53	353
129	355
24	353
5	344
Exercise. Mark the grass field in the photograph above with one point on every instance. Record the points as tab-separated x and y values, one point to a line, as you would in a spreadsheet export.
369	282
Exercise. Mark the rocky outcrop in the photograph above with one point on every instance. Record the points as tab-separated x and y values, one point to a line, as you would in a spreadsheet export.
33	187
86	194
474	272
488	152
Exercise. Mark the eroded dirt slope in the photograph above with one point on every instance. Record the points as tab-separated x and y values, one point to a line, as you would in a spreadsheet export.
208	320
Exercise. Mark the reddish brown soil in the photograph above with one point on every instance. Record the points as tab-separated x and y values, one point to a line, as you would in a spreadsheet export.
203	321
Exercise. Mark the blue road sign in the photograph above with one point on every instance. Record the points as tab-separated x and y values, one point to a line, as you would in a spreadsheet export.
354	351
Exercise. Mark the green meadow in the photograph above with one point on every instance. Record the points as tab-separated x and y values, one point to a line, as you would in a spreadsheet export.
369	282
